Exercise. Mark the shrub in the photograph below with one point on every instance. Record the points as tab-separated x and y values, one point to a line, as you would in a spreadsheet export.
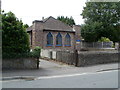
34	54
104	39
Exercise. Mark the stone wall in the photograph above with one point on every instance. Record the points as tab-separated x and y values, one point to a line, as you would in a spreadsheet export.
66	57
82	58
92	58
26	63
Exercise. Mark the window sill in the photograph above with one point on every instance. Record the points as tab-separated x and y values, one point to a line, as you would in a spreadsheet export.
67	45
49	45
59	45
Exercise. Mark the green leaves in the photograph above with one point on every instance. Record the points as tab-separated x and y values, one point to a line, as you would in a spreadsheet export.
104	39
107	15
70	21
90	31
14	36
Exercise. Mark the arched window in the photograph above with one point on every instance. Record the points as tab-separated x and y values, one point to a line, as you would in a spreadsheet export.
67	40
59	40
49	39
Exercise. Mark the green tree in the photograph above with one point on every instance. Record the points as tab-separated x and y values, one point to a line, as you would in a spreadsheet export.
107	14
26	25
14	36
90	32
70	21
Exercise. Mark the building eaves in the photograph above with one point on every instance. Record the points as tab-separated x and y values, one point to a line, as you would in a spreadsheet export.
60	30
29	28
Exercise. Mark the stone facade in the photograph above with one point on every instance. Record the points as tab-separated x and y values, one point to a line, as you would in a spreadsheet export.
21	63
78	37
39	30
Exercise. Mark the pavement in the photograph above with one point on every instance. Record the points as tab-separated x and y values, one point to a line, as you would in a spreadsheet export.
51	68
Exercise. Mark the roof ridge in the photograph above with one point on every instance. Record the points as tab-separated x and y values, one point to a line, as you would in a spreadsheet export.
46	19
56	19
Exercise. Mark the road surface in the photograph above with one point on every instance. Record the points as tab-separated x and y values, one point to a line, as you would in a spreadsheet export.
103	79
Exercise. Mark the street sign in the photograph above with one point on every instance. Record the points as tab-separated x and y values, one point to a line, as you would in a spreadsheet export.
78	40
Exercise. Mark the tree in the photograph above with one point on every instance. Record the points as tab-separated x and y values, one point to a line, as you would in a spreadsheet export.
70	21
26	25
107	15
90	32
14	36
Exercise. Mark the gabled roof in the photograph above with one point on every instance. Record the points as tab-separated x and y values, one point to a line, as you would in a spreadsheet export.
51	23
54	24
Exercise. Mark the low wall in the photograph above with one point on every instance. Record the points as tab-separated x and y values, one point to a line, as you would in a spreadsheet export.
48	53
91	58
83	58
26	63
65	57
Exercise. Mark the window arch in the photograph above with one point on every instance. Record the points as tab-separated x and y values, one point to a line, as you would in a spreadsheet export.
49	39
67	40
59	40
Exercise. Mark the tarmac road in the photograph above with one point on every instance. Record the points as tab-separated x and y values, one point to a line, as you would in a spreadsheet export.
104	79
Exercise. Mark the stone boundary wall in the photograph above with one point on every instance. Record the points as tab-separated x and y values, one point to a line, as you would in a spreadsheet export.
26	63
82	58
66	57
92	58
87	58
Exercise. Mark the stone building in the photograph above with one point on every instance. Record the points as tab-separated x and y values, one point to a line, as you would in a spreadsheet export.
51	33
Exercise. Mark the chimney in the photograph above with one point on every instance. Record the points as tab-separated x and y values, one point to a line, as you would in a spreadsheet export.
77	30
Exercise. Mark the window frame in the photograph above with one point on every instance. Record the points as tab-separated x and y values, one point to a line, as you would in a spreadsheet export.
67	40
49	39
59	38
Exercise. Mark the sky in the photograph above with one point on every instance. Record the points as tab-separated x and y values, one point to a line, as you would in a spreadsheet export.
30	10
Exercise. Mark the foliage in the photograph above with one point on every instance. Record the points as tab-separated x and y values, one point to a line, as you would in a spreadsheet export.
107	15
90	32
26	25
104	39
34	54
14	36
70	21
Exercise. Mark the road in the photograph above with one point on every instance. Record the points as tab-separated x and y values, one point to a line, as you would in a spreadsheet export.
103	79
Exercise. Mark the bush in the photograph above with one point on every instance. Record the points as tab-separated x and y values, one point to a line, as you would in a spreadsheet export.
104	39
34	54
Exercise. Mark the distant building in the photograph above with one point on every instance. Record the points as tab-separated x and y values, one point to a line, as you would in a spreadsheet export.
51	33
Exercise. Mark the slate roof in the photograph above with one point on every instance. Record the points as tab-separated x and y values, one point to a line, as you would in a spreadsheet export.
53	24
29	28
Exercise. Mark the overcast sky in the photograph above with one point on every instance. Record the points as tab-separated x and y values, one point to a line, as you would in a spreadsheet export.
30	10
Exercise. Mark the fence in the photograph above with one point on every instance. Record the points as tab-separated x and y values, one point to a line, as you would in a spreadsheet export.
96	44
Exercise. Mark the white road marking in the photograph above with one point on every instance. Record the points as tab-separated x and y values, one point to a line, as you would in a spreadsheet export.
71	75
57	76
